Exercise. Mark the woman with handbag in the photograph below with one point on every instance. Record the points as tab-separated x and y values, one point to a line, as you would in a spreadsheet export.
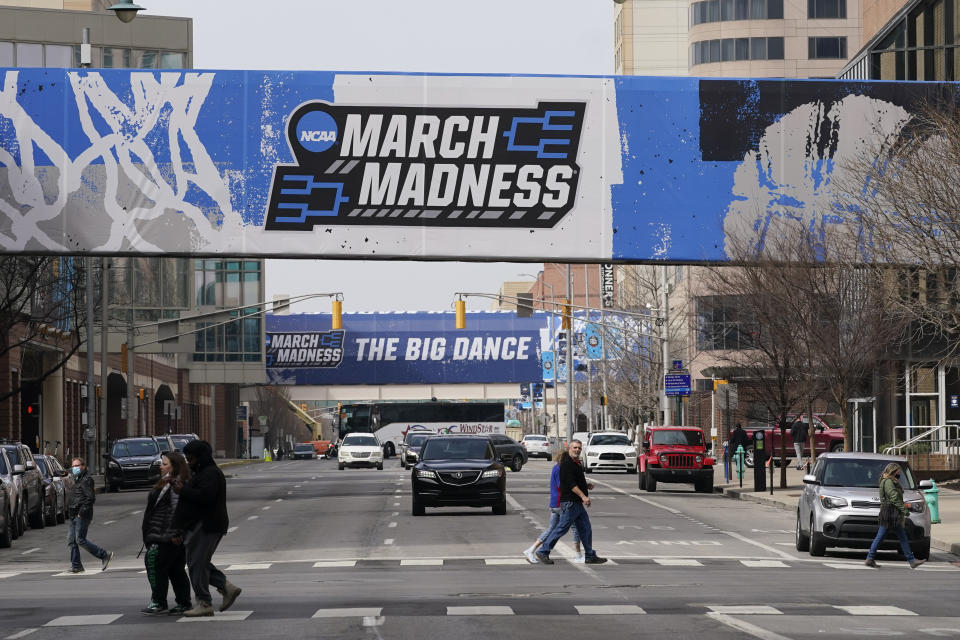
893	515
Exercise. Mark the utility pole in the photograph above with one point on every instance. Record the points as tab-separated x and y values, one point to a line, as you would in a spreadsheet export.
570	400
665	334
90	433
586	303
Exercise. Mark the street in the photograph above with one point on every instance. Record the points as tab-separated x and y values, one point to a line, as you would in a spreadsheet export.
336	554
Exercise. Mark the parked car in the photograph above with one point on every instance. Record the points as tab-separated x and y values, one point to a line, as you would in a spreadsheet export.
31	480
609	451
537	445
360	450
411	447
11	478
53	499
840	505
181	439
64	478
303	451
509	451
6	518
675	454
461	471
133	462
825	438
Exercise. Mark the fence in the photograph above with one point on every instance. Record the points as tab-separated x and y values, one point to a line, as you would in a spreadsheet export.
934	449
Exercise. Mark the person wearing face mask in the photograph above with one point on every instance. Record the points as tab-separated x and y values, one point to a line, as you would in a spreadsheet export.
80	511
165	560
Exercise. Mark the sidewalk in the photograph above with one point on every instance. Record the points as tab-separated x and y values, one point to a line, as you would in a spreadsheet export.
944	536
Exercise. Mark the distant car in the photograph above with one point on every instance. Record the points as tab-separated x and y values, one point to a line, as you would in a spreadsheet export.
509	451
181	439
537	445
31	480
825	438
458	471
840	505
133	462
54	501
64	478
675	454
360	450
304	451
609	451
412	444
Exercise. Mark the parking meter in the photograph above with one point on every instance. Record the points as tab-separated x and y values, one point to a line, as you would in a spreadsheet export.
759	460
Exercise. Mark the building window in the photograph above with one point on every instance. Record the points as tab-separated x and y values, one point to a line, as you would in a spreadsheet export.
730	49
827	48
824	9
29	54
728	10
6	54
721	324
229	284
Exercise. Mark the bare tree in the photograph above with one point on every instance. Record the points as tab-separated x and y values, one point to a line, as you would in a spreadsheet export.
273	401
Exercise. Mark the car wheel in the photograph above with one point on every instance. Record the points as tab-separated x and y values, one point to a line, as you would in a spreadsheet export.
818	546
403	464
802	541
587	470
380	467
517	463
650	484
22	521
748	458
6	535
500	508
641	483
417	508
836	448
704	486
388	450
50	517
340	466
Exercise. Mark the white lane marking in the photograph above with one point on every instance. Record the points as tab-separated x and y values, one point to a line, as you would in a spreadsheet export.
296	486
874	610
279	500
266	508
396	504
505	561
636	497
8	574
388	541
220	616
372	621
394	514
397	491
742	538
133	513
289	493
678	562
232	529
109	522
479	611
764	563
844	565
29	551
334	563
422	562
313	477
609	609
253	517
74	621
347	613
746	627
746	610
22	634
391	525
248	567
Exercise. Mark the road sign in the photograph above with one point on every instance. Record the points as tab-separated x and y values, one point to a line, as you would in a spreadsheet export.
677	383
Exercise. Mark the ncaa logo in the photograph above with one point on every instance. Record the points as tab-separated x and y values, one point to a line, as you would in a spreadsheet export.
316	131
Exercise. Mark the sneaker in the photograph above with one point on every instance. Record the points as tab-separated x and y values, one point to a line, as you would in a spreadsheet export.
531	556
230	594
154	609
179	610
872	563
916	563
595	560
75	570
105	561
544	558
200	610
579	559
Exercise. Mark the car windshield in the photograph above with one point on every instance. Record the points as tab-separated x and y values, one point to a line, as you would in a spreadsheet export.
417	440
610	439
42	465
861	473
3	465
130	448
303	447
450	448
360	441
678	436
13	454
180	442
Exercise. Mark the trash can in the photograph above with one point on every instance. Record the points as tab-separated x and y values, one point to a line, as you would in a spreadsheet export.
932	497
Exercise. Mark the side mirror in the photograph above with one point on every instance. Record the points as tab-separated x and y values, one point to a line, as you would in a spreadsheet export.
106	456
925	484
18	470
31	465
810	479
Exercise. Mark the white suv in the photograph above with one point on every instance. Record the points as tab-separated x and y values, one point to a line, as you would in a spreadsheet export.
609	451
360	450
536	446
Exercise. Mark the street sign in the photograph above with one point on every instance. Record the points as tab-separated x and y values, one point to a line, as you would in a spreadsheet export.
241	412
677	383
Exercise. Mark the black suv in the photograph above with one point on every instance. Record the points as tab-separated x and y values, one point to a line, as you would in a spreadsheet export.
32	482
412	444
133	462
459	471
509	451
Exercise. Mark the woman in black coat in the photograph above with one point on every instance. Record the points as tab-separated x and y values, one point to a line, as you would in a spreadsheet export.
165	560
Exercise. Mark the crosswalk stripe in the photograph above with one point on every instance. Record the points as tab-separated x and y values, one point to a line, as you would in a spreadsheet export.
678	562
220	616
75	621
609	609
422	562
495	562
249	567
479	611
334	563
874	610
9	574
764	563
371	612
22	634
745	609
846	565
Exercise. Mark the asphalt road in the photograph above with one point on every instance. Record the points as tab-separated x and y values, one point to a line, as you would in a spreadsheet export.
336	554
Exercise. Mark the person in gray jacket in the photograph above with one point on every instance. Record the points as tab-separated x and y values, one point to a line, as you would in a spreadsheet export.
80	512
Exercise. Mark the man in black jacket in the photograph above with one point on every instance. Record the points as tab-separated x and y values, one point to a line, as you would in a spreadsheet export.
80	511
574	498
202	515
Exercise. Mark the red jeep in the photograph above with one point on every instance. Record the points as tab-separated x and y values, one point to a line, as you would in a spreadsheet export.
825	438
675	454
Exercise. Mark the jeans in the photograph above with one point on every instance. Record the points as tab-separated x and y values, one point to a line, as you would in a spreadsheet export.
554	520
76	538
798	447
200	548
904	543
165	566
571	514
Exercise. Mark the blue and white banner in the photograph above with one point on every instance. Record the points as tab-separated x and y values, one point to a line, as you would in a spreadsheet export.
464	167
592	341
548	366
404	348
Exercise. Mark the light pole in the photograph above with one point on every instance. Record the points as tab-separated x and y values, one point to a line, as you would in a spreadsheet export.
556	393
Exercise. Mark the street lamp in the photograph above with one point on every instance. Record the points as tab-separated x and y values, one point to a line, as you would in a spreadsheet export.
126	10
556	378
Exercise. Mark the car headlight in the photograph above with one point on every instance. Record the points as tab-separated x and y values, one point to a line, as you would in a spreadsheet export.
833	502
663	459
344	454
492	473
113	465
699	459
631	453
425	473
592	454
917	506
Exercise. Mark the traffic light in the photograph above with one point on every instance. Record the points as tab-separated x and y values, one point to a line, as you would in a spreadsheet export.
141	392
336	321
603	401
461	307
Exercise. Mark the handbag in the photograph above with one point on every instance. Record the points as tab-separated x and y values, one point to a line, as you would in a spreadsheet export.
889	515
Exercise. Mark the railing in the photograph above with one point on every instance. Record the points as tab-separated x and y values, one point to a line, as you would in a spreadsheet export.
930	448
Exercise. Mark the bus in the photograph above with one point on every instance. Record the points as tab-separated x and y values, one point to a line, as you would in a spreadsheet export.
390	421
